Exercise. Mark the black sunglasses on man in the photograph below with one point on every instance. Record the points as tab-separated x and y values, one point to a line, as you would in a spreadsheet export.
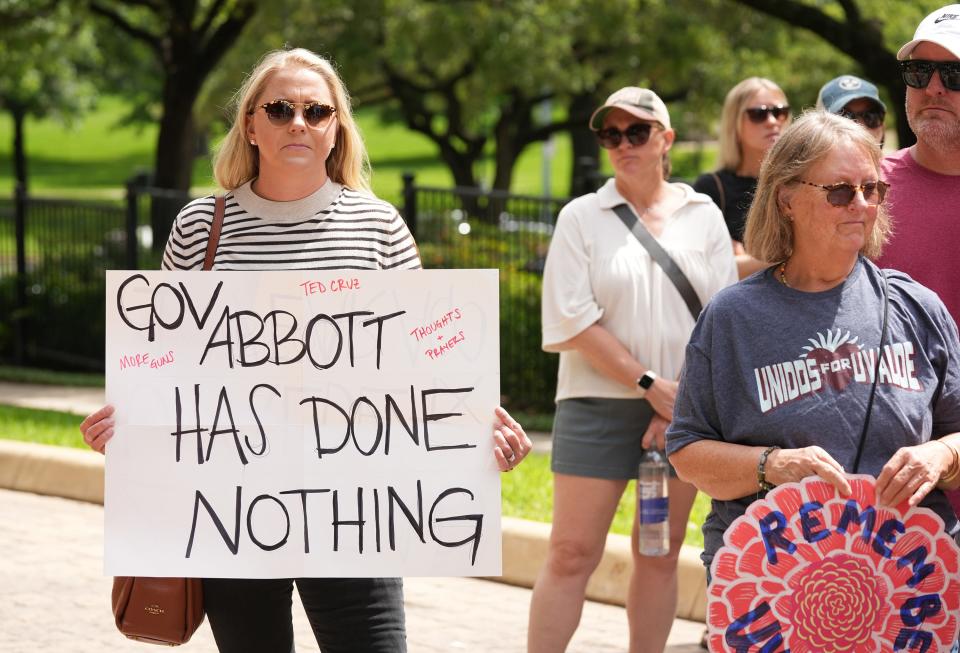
917	73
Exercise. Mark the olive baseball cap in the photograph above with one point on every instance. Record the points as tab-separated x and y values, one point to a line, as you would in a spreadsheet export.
640	102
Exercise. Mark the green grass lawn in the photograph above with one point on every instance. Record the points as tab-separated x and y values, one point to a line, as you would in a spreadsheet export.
41	426
94	157
528	494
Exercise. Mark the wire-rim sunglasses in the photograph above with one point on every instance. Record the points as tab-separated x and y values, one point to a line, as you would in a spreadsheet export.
917	73
759	114
843	194
637	134
281	112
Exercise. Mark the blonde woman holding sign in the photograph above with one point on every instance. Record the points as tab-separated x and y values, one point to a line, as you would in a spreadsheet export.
296	172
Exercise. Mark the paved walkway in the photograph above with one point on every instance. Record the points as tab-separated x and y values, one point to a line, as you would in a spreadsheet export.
53	597
81	401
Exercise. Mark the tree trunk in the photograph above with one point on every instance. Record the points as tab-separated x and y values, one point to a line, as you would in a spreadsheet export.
175	142
505	160
585	160
898	96
19	146
461	165
176	149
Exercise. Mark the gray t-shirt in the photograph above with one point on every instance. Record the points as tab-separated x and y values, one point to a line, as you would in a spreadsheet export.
770	365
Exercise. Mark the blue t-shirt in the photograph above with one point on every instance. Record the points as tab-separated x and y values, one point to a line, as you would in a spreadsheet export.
770	365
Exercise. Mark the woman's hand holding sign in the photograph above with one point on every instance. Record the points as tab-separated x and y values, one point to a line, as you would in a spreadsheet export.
913	472
97	428
788	465
511	444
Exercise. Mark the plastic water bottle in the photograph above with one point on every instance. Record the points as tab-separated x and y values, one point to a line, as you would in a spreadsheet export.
652	504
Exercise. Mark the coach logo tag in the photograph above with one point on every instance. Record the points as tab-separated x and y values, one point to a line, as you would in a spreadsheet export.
153	609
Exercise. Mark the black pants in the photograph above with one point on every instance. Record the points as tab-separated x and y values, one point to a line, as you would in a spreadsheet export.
348	615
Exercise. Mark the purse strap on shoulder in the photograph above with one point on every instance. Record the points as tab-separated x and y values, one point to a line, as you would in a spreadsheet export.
219	208
662	258
723	195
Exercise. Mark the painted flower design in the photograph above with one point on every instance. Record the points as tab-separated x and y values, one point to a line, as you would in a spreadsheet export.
808	571
838	604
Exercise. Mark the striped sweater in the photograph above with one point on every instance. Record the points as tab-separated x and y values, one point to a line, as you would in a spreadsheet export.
334	228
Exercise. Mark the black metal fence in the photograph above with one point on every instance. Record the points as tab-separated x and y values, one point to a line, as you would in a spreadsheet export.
473	228
53	255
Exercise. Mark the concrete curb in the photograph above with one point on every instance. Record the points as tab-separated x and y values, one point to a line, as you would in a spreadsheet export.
56	471
77	474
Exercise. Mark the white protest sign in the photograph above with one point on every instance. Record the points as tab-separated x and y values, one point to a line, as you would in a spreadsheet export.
298	424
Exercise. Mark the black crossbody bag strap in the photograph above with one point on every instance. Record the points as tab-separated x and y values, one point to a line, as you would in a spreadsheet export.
876	373
723	196
670	267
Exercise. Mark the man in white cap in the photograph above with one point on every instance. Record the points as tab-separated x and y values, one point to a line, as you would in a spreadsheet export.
924	196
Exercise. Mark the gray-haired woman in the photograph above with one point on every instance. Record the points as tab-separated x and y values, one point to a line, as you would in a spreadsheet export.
741	425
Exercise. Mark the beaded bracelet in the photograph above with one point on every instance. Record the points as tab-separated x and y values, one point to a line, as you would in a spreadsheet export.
762	472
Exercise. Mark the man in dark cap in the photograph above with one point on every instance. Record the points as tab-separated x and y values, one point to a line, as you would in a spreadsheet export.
857	99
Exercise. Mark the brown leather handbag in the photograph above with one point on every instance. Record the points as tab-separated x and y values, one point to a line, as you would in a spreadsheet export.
158	610
164	610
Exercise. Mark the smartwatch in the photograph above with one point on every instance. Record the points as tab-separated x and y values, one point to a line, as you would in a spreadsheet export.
645	381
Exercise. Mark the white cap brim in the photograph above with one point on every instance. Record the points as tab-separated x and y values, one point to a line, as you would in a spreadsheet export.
953	45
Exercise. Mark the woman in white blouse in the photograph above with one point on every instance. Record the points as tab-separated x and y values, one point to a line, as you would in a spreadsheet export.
620	326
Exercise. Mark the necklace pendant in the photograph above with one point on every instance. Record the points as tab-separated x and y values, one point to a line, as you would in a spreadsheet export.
782	272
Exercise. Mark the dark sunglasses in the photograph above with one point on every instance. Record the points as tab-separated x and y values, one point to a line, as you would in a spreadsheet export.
871	119
917	73
759	114
637	134
280	112
843	193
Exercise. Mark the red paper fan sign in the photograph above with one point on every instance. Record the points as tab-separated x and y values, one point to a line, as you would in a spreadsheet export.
807	571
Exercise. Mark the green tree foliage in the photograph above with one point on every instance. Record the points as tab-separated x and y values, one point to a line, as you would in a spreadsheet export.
870	33
470	75
44	52
173	47
186	39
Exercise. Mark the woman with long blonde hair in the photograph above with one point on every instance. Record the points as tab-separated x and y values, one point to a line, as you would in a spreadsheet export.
755	111
298	198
